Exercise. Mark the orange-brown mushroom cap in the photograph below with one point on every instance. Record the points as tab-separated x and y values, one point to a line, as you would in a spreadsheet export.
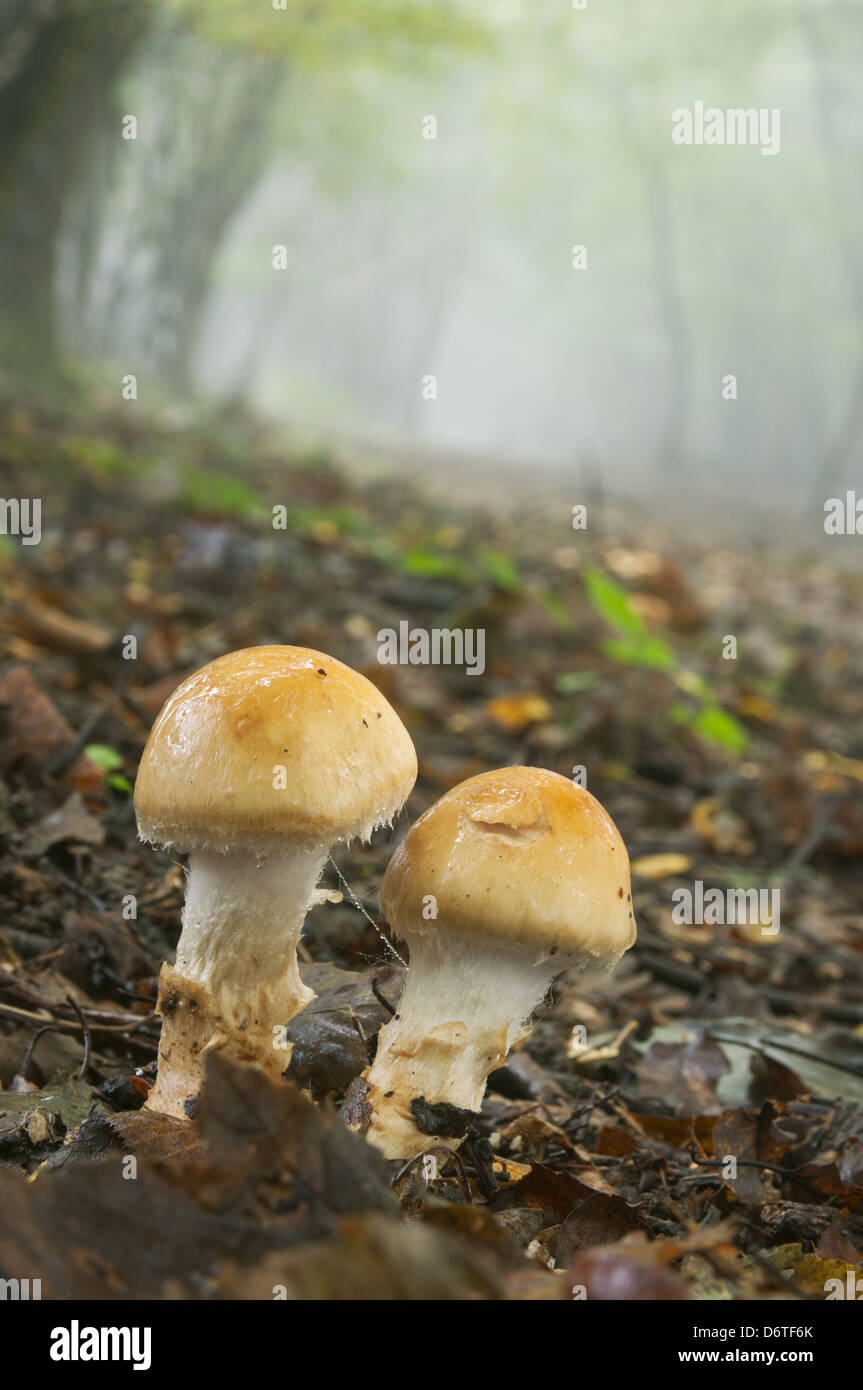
519	856
211	773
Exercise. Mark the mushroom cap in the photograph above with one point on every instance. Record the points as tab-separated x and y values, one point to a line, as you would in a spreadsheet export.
516	857
209	773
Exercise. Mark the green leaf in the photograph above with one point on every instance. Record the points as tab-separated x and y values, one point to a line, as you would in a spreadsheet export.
571	682
206	490
435	566
649	653
100	456
346	520
714	724
612	603
105	758
502	570
556	609
718	726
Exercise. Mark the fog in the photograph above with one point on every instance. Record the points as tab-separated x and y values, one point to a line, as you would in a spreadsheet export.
496	260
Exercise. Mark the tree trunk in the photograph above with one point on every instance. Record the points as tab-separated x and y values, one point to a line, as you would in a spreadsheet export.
62	69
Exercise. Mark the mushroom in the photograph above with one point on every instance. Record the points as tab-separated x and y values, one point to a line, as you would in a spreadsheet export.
255	767
510	879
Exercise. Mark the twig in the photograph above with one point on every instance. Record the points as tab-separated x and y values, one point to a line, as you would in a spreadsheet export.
787	1173
593	1104
128	1034
725	1267
86	1031
31	1046
36	960
776	1046
78	888
810	842
358	1028
384	1003
448	1154
121	986
65	757
694	980
26	994
28	1016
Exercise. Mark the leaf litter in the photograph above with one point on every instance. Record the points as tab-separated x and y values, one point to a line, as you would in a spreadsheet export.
601	1168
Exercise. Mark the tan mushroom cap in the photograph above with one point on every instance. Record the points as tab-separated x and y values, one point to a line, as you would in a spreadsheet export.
208	777
519	856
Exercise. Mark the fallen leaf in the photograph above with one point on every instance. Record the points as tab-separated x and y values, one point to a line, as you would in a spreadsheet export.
772	1080
514	712
810	1271
277	1172
599	1220
36	731
684	1075
71	824
755	706
720	828
658	866
613	1142
328	1036
835	1245
825	1181
680	1131
530	1135
373	1259
602	1275
58	631
551	1190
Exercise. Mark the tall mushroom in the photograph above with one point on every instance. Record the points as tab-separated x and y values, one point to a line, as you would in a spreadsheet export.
508	880
256	766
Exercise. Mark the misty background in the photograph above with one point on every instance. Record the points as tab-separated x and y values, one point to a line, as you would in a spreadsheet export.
407	257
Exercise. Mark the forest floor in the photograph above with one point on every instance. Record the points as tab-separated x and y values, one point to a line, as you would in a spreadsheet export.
600	1160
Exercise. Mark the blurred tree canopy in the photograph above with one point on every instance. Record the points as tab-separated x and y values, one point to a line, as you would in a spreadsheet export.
217	69
301	125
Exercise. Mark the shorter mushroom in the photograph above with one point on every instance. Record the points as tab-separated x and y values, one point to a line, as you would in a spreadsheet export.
506	882
257	764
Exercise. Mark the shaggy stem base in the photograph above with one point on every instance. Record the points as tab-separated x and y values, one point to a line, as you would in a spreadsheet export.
236	981
463	1007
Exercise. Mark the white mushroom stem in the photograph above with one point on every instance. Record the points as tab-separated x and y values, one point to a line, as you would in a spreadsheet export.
465	1004
236	980
242	922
